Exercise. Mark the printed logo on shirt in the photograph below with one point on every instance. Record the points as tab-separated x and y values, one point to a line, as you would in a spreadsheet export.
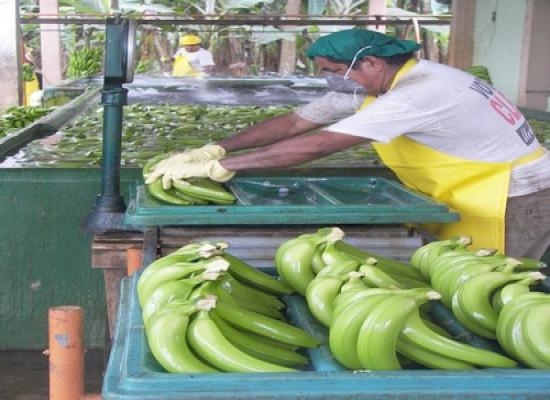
505	109
526	133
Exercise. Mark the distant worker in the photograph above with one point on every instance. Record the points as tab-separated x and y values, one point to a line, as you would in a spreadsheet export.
191	59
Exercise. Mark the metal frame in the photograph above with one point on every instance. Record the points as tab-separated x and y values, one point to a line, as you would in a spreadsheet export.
235	19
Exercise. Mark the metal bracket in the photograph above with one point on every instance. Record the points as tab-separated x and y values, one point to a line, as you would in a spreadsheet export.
114	96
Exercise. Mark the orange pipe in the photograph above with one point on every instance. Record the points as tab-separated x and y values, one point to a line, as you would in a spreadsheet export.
66	352
133	260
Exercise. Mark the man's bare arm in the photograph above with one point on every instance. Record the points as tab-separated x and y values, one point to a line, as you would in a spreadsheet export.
293	151
267	132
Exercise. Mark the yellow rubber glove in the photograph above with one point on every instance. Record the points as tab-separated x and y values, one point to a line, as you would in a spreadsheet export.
207	152
204	153
200	169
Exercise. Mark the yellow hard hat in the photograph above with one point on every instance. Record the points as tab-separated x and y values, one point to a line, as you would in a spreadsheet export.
189	40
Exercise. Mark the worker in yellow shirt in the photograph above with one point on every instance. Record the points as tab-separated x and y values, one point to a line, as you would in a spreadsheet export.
191	59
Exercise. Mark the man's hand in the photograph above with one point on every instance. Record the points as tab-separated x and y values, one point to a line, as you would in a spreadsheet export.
184	170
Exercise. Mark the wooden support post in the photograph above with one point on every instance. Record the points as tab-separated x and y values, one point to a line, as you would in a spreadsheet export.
11	53
461	41
378	7
288	47
50	46
66	352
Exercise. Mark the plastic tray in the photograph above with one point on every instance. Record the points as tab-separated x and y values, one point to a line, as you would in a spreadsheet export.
132	373
298	200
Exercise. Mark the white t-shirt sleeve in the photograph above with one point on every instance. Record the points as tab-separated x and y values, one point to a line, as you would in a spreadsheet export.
330	108
385	119
206	58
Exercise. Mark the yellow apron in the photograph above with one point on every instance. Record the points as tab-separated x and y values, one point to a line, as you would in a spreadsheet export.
478	190
183	68
29	88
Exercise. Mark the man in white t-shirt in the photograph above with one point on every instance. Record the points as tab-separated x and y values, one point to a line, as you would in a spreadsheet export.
191	59
442	131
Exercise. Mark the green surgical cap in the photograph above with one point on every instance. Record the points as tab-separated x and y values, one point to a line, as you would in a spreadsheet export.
344	45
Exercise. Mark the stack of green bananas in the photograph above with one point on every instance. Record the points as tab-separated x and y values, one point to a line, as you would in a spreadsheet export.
479	71
84	62
207	311
475	285
372	305
523	328
19	117
187	192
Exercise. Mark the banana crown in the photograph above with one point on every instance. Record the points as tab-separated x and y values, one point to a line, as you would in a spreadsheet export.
217	264
206	303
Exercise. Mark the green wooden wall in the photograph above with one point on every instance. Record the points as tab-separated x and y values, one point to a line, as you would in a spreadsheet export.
44	256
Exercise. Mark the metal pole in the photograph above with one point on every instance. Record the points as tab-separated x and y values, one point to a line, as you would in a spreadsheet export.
108	212
113	98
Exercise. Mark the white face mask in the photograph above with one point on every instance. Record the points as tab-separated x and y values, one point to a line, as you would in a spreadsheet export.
338	84
346	75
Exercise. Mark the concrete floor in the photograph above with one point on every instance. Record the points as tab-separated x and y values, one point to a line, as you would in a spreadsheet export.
24	374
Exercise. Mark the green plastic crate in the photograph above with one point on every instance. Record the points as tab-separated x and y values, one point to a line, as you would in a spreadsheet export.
296	201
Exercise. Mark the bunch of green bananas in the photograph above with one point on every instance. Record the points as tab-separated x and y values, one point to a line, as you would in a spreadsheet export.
471	304
27	72
207	311
84	62
299	260
523	329
372	326
143	66
19	117
187	192
475	285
